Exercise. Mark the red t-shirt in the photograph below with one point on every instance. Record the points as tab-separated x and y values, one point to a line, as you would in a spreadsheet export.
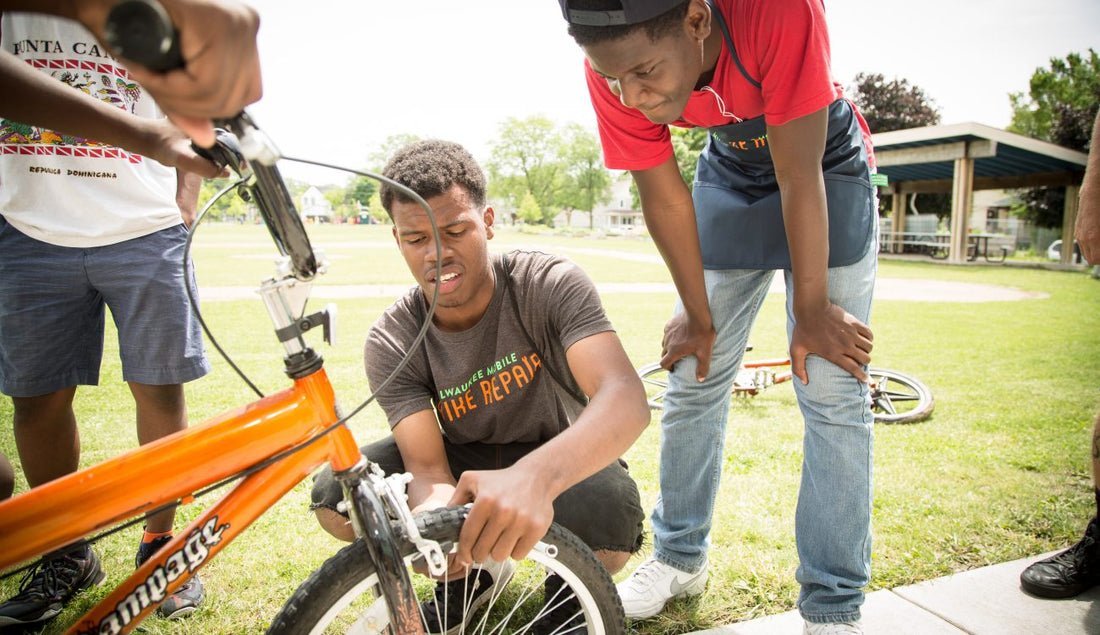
783	45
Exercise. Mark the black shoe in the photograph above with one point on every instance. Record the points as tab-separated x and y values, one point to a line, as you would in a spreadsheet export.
187	598
561	612
1068	573
456	602
47	587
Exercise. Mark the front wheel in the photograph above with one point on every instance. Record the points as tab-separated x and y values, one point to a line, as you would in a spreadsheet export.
899	398
560	587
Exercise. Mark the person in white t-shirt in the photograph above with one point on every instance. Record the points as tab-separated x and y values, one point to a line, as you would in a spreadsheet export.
85	226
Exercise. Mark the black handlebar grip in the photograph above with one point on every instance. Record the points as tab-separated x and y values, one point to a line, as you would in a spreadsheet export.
142	31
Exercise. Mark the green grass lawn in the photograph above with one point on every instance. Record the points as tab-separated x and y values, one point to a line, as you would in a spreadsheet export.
1000	471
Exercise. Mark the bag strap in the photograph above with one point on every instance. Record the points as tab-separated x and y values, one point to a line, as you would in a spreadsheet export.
729	42
580	398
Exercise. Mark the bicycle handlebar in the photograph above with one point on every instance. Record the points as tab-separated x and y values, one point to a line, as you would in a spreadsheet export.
142	31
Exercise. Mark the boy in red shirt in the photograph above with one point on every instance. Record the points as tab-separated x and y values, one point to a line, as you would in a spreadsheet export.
784	183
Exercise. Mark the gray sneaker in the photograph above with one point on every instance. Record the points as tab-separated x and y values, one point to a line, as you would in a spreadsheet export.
187	599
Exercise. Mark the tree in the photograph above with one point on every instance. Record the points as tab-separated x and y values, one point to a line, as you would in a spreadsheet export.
341	206
1069	86
898	105
361	189
587	180
229	207
392	144
892	105
375	209
529	209
527	158
687	143
1060	107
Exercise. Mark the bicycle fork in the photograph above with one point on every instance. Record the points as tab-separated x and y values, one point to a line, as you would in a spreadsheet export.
285	298
368	517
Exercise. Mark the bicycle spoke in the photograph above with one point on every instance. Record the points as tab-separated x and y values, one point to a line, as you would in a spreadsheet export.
898	396
886	406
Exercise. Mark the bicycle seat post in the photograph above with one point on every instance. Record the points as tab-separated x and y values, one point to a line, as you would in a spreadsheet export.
285	298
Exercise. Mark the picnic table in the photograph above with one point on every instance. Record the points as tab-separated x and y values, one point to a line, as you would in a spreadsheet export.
932	244
978	245
938	245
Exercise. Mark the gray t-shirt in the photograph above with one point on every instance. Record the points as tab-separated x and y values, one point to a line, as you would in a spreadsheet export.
487	384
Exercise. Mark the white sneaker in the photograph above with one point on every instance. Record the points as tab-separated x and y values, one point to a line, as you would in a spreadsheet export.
653	584
833	628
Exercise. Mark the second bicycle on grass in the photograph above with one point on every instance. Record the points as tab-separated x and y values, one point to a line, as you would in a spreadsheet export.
896	397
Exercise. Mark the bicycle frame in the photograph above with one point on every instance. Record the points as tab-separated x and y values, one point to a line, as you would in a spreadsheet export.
277	441
761	375
63	511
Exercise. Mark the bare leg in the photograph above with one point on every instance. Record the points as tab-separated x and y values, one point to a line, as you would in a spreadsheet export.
1096	461
7	478
614	561
46	435
161	410
335	524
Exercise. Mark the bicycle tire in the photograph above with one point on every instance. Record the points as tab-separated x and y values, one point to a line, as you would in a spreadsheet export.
344	590
899	398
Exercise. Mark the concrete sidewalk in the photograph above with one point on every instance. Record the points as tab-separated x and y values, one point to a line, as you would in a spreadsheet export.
985	601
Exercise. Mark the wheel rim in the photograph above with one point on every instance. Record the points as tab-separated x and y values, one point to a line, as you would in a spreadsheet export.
513	609
898	398
655	382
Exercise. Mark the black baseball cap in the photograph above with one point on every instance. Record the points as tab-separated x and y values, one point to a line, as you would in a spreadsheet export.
632	12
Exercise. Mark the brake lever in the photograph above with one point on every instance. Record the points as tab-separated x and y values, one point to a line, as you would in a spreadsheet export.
255	145
226	151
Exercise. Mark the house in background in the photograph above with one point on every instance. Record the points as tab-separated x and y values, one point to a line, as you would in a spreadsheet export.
315	207
615	215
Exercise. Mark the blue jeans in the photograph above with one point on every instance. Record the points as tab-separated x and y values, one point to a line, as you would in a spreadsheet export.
833	518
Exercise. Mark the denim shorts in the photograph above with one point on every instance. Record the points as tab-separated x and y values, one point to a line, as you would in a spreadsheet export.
52	313
603	510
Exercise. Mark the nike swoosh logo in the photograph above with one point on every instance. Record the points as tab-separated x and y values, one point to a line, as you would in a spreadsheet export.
676	587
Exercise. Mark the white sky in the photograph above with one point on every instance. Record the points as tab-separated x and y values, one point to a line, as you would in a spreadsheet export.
342	76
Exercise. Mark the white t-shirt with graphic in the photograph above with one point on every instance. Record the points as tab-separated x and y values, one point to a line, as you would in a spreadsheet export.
66	190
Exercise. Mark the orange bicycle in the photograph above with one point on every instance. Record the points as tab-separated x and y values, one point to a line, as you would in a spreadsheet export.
895	397
270	446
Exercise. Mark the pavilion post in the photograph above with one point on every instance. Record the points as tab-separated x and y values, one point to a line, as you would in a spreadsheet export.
962	194
897	224
1069	220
